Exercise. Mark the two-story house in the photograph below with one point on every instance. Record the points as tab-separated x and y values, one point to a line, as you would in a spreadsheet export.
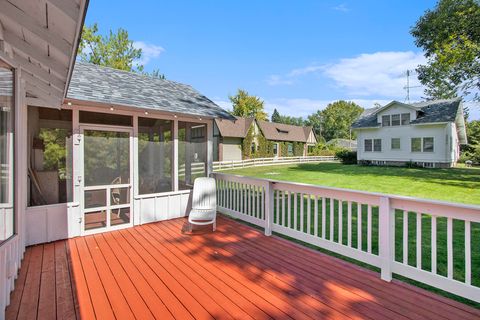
427	133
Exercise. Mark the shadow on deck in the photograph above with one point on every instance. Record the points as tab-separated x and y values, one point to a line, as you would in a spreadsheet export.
156	271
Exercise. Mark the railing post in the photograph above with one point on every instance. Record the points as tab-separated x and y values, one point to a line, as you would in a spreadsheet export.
387	238
268	208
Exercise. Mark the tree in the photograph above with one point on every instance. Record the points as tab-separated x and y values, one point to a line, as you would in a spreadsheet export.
155	74
315	121
275	116
115	50
245	105
278	118
337	118
450	36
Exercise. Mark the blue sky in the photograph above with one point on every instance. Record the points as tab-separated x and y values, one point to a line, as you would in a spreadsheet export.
296	55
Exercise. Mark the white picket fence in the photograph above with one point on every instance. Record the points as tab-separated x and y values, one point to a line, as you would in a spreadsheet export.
368	227
232	164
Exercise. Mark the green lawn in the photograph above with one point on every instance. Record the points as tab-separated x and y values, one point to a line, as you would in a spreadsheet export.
455	185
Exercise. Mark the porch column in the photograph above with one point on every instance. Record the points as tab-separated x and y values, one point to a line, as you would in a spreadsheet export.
209	148
175	156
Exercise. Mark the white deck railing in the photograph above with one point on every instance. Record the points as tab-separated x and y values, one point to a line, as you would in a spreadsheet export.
232	164
382	230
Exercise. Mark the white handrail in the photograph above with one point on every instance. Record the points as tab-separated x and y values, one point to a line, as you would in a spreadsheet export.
329	218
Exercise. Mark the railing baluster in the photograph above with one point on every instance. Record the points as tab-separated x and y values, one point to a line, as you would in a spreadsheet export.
419	240
468	253
332	218
434	244
349	224
283	209
301	213
359	226
257	197
309	214
405	237
340	222
295	212
289	215
315	218
369	229
263	204
324	218
277	211
449	248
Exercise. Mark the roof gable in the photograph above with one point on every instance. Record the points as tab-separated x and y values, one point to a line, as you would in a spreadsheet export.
237	128
284	132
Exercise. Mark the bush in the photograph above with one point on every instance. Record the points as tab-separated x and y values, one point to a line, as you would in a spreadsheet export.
473	154
322	149
347	156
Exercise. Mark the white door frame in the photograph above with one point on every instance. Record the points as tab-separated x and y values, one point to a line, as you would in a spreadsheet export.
130	185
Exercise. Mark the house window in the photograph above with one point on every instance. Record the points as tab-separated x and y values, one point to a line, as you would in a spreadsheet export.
395	119
428	144
50	176
6	150
395	143
192	153
275	149
368	145
416	144
405	119
386	121
253	148
290	149
155	152
377	145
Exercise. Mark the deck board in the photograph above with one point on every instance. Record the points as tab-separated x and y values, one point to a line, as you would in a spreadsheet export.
155	271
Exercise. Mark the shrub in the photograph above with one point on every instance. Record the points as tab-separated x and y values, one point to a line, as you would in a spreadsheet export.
322	149
347	156
365	163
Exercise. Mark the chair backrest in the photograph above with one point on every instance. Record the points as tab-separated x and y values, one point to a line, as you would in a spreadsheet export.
204	194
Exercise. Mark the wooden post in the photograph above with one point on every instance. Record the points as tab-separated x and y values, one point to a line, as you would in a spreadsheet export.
268	208
386	238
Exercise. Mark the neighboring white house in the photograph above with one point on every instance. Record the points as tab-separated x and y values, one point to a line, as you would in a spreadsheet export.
427	133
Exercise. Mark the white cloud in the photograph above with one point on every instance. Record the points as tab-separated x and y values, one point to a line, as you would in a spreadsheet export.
149	51
377	74
291	77
341	7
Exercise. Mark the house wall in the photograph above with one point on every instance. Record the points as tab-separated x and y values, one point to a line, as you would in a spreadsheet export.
231	149
440	132
54	222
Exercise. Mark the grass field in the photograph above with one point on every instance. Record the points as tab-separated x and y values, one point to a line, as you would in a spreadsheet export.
454	185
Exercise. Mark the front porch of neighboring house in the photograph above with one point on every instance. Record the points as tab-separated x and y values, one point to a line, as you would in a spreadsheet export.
155	271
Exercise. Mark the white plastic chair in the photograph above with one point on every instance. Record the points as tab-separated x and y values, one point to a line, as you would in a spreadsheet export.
204	203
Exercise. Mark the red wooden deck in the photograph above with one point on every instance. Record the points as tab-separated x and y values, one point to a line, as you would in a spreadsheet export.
155	271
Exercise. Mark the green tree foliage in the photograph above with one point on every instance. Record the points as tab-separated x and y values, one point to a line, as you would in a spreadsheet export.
245	105
315	121
115	50
471	151
275	116
337	118
278	118
450	36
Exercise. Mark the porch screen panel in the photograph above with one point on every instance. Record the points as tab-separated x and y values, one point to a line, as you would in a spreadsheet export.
6	152
155	154
192	153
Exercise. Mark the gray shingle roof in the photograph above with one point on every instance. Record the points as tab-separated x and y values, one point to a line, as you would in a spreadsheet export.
116	87
428	112
437	111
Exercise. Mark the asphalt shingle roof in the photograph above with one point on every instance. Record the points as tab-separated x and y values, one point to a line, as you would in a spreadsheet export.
428	112
116	87
284	132
237	128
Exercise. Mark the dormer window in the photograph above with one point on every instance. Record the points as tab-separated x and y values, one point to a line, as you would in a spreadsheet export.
282	131
396	119
405	119
386	121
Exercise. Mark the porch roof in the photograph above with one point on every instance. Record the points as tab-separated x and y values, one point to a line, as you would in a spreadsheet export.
93	83
154	270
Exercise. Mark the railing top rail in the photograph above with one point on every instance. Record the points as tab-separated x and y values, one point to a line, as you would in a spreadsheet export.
455	205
